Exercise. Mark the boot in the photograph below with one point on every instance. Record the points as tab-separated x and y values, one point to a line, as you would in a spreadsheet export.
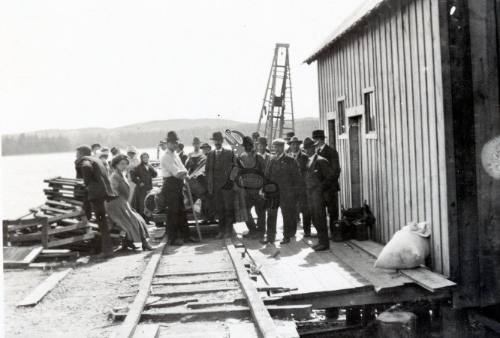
146	246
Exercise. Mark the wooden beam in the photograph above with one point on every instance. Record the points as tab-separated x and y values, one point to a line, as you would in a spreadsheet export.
127	329
25	261
41	290
262	319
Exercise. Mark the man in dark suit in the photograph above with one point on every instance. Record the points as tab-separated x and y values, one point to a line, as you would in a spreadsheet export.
318	179
142	175
332	156
180	152
302	206
218	169
284	171
98	190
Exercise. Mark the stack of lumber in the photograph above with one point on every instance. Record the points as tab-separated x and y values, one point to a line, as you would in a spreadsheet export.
55	224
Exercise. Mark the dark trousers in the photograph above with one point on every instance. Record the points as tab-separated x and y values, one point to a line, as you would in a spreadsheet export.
224	208
176	214
97	205
332	204
303	207
253	199
317	210
289	214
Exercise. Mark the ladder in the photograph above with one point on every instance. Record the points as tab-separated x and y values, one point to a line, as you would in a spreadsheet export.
276	116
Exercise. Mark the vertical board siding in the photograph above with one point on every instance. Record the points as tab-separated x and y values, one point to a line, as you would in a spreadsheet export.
396	52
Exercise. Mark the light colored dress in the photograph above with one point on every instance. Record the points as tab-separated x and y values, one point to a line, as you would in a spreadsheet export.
120	211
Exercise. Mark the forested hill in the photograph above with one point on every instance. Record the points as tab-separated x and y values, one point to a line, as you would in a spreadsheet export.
142	135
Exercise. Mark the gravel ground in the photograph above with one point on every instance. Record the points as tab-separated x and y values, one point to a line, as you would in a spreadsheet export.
78	306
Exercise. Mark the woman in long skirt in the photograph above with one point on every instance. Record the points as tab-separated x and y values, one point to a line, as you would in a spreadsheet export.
119	209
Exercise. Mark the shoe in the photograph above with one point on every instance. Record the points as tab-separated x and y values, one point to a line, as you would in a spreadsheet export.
104	255
306	235
264	241
321	247
191	240
146	246
285	241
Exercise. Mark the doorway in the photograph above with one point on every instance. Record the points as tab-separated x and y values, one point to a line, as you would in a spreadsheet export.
355	159
332	137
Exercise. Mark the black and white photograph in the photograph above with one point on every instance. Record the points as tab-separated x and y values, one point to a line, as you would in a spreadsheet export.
250	168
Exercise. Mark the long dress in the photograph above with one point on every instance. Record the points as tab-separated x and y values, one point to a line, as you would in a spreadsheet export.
121	213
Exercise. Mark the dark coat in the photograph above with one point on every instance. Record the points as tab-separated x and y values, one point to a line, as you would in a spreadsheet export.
332	156
217	179
284	171
319	176
120	185
183	157
95	178
302	164
142	174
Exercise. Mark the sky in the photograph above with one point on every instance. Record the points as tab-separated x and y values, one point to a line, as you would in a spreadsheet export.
107	63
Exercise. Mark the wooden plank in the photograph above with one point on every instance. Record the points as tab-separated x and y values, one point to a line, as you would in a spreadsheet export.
262	319
177	293
20	257
147	331
424	277
427	279
70	240
41	290
382	280
38	235
127	329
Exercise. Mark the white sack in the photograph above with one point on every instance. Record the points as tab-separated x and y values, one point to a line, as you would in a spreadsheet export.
408	248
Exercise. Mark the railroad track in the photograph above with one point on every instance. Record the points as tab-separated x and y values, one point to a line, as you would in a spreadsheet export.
199	290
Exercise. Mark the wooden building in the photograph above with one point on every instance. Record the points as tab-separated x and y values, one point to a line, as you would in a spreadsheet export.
409	96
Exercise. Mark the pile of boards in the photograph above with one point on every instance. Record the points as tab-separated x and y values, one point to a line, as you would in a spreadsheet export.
55	227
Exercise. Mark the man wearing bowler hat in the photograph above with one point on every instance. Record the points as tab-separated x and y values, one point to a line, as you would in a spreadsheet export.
318	177
302	206
218	169
174	172
332	194
284	171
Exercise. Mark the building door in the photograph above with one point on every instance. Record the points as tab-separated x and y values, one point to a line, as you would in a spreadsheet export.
355	159
332	136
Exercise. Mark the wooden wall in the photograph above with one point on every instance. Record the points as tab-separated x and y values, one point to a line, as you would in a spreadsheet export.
397	52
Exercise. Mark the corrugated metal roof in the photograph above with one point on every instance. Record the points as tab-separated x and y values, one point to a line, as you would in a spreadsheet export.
364	10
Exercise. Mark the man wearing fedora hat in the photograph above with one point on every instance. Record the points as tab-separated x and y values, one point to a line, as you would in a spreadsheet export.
302	206
218	169
283	171
174	172
332	156
318	178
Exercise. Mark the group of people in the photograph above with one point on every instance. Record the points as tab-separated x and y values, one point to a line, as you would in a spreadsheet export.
299	180
114	188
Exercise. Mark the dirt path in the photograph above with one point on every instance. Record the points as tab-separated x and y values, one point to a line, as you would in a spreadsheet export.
78	306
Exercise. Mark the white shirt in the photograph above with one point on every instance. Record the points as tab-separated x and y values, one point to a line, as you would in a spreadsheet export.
171	165
310	160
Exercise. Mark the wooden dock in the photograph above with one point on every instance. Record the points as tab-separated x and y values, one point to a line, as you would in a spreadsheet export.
342	277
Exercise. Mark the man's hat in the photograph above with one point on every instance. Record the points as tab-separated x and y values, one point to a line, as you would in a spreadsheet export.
308	143
294	139
217	136
95	145
84	149
131	149
196	140
205	145
289	135
318	134
262	140
172	137
279	141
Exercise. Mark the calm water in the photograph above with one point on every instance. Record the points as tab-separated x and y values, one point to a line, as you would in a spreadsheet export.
23	175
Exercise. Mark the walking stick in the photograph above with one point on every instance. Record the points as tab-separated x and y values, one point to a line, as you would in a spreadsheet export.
190	196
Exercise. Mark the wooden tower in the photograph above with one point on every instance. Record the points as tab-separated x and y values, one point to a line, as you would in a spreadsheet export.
277	105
